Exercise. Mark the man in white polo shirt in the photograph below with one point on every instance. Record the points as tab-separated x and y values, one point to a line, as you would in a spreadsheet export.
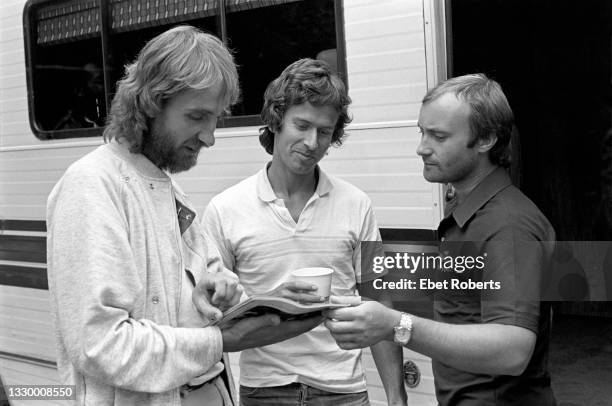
292	215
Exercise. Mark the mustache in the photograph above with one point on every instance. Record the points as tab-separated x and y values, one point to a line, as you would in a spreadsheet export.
196	144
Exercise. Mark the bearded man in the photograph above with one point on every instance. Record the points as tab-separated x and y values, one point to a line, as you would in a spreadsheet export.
124	252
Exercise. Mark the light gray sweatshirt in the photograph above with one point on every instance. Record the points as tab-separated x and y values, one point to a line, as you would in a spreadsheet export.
116	263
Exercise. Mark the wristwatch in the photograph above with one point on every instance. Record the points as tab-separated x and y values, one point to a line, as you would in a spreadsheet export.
403	330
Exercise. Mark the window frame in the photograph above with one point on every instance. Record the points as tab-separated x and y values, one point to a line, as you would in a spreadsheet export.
29	35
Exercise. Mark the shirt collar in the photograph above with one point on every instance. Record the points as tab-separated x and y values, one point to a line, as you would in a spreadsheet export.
138	160
264	187
266	193
325	185
490	186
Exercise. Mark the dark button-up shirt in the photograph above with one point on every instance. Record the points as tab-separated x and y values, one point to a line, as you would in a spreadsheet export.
515	240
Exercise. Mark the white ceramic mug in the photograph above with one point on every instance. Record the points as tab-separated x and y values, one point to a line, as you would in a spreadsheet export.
320	277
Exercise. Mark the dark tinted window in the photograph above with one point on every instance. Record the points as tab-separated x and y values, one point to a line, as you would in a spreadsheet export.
267	39
76	52
69	85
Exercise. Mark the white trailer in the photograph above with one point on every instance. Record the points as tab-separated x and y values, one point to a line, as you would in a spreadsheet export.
389	51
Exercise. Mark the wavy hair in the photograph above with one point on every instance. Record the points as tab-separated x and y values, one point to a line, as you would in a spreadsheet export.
306	80
183	57
490	112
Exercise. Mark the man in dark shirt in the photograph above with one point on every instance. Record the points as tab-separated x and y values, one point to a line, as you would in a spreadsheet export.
488	346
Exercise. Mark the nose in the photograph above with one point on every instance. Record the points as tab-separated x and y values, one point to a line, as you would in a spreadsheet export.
207	136
423	149
311	140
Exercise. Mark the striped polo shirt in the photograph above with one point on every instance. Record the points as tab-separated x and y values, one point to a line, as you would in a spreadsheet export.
259	240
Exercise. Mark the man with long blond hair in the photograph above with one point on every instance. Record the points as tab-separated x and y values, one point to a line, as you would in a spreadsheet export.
125	253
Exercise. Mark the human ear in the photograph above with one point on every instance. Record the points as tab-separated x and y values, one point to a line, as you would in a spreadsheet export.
485	144
277	127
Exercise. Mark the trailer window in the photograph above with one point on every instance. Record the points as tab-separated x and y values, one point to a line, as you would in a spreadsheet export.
76	50
267	39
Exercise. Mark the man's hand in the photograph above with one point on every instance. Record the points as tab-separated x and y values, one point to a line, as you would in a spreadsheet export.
264	330
361	326
298	291
215	293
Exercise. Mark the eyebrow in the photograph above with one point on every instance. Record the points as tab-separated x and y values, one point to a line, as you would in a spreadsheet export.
204	111
433	130
299	120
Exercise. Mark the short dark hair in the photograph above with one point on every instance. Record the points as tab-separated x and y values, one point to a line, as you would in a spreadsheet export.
306	80
490	112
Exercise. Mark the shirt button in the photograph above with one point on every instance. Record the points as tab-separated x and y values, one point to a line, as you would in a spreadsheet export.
155	300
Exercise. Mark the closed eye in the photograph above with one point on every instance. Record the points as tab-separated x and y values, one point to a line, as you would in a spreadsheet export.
196	116
438	136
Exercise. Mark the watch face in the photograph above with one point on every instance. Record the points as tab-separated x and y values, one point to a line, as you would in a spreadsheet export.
402	334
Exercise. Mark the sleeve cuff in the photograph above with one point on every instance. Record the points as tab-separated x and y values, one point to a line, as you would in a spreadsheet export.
208	346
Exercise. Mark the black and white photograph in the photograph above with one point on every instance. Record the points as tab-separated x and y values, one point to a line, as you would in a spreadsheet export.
306	202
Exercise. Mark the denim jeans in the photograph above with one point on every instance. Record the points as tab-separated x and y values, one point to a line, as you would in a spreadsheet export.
299	394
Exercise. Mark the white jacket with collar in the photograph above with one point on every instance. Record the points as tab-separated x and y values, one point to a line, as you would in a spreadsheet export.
115	264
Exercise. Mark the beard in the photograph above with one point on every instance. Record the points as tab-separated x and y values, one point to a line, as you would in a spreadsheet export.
159	146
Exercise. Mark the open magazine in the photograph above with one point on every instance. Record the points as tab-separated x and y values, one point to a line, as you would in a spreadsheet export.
286	308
